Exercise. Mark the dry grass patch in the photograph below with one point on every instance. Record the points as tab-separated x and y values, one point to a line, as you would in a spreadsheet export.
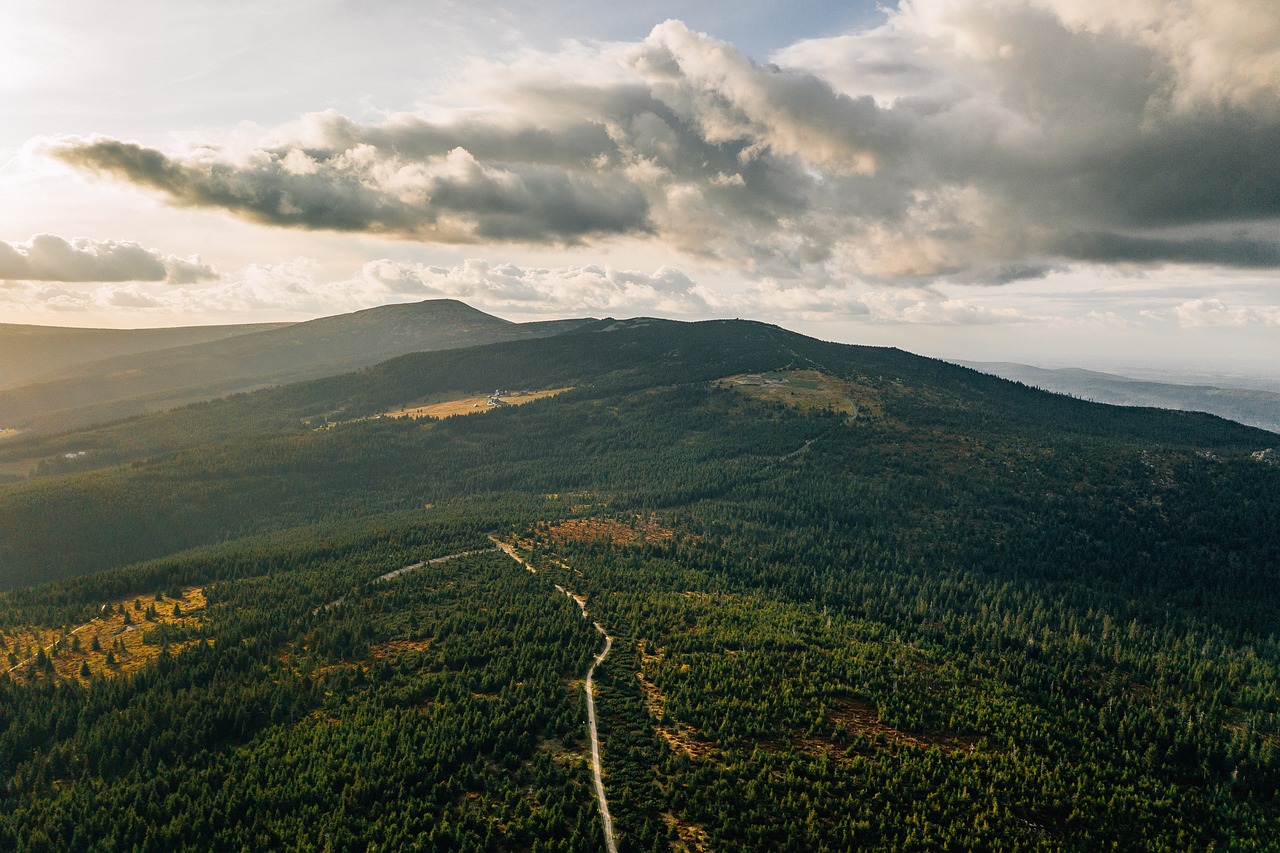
861	718
690	838
808	390
634	532
391	648
471	404
377	651
119	635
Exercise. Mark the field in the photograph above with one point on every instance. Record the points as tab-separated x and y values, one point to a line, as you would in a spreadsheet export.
469	405
808	390
636	530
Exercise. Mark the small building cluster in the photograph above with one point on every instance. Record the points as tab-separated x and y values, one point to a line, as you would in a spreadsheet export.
760	379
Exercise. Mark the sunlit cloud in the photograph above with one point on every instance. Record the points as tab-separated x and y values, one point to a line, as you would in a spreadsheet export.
47	257
962	141
1215	312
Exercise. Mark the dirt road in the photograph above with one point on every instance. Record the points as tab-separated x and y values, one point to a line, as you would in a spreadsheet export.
610	844
597	772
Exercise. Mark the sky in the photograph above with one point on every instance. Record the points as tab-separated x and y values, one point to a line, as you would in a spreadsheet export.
1057	182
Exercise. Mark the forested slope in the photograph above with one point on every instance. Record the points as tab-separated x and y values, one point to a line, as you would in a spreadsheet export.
113	388
860	599
35	353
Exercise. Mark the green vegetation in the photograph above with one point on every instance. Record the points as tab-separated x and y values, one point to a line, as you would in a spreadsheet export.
165	368
974	616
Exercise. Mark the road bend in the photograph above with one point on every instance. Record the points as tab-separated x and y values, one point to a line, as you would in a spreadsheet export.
610	842
597	773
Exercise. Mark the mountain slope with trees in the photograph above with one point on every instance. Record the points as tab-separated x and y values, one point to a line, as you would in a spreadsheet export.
935	610
129	384
35	353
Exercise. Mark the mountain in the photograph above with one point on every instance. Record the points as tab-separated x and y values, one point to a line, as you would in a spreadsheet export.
1252	406
115	387
851	598
35	353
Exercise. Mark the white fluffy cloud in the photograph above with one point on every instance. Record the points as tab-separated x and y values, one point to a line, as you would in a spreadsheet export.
588	289
299	288
1215	312
970	141
46	257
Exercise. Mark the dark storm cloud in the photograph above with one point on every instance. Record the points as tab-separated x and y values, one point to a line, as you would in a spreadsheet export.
965	140
453	198
47	257
1109	247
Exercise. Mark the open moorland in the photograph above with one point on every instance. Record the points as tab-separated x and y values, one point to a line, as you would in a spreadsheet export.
471	404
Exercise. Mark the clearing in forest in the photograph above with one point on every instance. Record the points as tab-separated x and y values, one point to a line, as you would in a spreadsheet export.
808	390
470	404
632	532
861	718
122	633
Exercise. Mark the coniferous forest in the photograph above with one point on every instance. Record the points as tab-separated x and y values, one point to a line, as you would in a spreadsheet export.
858	599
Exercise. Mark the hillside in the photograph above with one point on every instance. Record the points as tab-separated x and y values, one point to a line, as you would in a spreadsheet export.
858	599
116	387
1252	406
46	353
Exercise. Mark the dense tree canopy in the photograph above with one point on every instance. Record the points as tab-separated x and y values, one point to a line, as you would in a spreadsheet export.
941	611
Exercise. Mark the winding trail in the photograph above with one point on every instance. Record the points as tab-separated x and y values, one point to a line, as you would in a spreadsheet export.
395	573
398	572
610	844
597	772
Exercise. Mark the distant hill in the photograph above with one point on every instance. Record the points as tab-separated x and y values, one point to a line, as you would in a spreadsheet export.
145	381
44	353
1254	407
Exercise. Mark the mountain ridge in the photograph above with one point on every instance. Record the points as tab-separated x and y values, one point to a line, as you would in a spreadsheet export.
1250	406
131	384
598	358
857	598
33	353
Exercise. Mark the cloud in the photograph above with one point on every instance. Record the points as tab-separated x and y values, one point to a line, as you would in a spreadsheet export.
1215	312
61	298
589	289
1109	247
46	257
445	197
969	141
298	288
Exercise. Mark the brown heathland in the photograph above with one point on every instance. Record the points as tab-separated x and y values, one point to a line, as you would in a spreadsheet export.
121	636
473	404
632	532
808	390
861	718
